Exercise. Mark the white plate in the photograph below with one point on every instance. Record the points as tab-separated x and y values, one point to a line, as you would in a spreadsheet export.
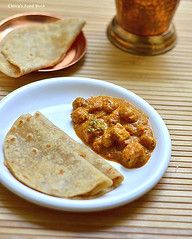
53	97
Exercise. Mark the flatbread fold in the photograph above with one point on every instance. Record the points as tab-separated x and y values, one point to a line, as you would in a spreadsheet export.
44	158
37	46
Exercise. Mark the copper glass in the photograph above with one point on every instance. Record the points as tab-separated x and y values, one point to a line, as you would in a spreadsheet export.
143	26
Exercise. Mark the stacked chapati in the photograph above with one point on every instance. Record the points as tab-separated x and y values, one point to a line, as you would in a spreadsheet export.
44	158
37	46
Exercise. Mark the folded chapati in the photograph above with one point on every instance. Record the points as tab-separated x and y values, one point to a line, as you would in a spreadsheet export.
37	46
93	158
44	158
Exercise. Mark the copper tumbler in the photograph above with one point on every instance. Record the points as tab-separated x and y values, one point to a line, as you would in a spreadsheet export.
143	26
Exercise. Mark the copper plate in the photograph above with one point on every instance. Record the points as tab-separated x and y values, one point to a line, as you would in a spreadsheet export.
74	54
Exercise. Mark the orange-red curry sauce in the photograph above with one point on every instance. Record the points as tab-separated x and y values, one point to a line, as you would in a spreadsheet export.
115	129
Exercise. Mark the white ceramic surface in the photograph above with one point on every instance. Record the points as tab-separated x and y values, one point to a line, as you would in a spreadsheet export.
53	97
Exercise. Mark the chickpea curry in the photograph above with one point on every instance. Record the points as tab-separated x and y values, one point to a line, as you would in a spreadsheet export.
115	129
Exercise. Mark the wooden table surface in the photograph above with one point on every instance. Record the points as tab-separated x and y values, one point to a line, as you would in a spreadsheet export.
165	81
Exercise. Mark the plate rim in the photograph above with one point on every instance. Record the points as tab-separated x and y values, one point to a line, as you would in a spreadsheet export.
28	14
88	207
58	17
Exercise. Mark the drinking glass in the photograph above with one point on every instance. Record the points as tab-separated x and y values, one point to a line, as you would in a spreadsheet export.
143	26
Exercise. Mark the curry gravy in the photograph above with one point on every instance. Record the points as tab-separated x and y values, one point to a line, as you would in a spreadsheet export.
114	128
